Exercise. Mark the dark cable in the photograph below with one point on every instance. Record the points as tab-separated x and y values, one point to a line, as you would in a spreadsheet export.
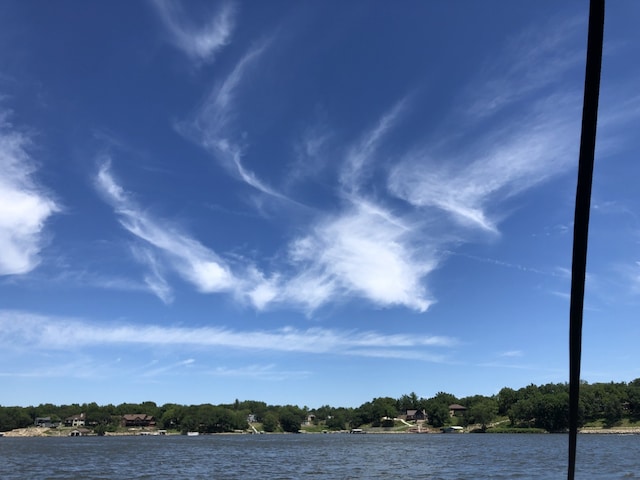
581	219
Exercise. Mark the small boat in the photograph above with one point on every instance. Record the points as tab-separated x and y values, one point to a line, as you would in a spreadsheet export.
453	429
193	434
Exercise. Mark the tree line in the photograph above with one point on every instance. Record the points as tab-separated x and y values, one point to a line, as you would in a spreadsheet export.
542	407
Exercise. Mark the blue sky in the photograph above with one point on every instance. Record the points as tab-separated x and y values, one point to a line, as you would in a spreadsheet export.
308	202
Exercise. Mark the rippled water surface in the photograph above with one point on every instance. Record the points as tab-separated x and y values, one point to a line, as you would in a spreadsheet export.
334	456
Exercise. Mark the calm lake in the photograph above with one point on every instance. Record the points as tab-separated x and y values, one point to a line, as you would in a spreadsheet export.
333	456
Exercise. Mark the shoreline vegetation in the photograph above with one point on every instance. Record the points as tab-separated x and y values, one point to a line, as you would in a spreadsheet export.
605	408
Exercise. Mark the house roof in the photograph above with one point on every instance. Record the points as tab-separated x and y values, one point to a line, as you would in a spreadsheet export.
455	406
137	416
414	411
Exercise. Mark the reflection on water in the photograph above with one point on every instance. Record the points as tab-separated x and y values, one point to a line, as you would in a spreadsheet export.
335	456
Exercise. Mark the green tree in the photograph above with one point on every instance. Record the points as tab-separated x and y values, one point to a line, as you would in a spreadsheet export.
611	411
589	407
507	397
408	402
97	415
14	417
336	422
437	408
552	412
483	413
633	396
290	420
438	414
522	413
270	422
173	416
383	407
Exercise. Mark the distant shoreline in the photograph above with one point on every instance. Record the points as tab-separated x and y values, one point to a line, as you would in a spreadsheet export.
31	432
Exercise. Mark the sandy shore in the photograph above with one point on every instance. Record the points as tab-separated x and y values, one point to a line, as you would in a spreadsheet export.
57	432
612	431
29	432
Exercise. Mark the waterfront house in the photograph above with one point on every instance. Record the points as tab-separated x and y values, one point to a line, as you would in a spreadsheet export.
415	415
44	422
138	420
456	410
75	420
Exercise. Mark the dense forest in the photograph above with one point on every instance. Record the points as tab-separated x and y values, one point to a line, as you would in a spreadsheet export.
540	407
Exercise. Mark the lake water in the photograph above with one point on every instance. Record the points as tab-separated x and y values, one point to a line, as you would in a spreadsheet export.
332	456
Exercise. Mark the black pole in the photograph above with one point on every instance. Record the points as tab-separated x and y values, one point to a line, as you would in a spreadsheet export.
581	219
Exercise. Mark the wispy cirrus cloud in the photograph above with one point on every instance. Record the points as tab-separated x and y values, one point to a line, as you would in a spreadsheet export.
200	42
213	126
155	279
81	367
268	372
213	118
160	370
310	156
24	205
469	177
52	333
535	59
512	353
619	111
363	152
363	252
370	245
189	258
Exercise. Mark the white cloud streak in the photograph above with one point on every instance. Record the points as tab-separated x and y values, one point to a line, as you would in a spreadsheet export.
200	43
193	261
467	181
364	152
180	366
212	126
21	328
154	280
24	205
512	353
259	372
310	154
